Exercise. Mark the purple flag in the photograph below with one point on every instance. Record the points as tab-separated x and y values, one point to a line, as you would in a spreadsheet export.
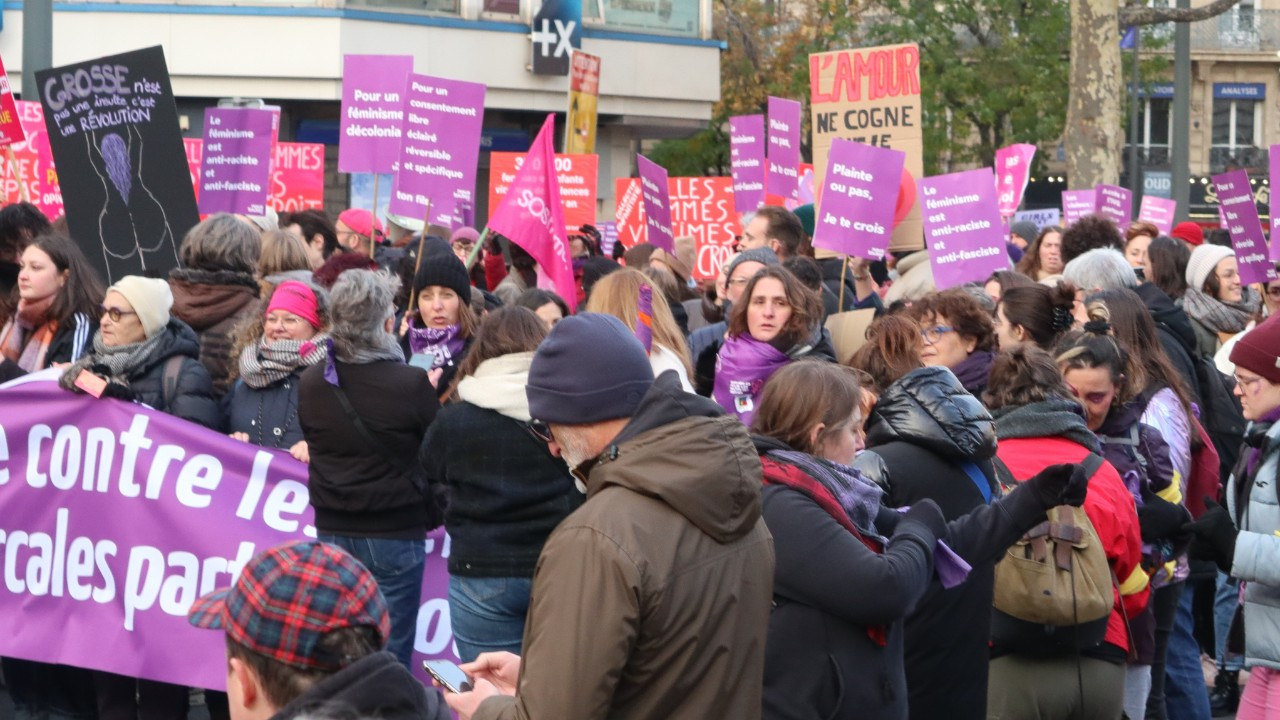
235	170
1159	212
1114	203
1013	169
1235	198
372	112
746	161
656	194
439	149
784	147
859	193
644	317
962	227
1076	204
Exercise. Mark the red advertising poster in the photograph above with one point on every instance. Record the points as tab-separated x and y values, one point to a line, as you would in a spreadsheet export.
577	175
297	174
701	207
33	163
11	130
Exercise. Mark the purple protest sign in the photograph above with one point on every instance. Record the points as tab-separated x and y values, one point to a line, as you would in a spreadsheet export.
127	516
440	144
784	147
746	161
1235	202
1076	204
859	193
1013	165
656	194
1114	203
1275	216
1159	212
962	227
372	112
235	169
608	236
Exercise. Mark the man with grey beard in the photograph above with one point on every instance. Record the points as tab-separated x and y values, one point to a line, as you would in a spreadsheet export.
651	601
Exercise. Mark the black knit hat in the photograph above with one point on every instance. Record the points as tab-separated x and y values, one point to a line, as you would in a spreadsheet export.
445	270
591	368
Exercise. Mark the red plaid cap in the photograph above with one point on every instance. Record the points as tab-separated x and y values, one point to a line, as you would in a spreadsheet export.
289	597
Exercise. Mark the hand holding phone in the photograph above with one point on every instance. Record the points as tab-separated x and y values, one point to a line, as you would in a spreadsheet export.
448	674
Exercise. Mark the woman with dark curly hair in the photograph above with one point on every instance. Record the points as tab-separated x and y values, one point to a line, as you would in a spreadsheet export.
1044	258
958	334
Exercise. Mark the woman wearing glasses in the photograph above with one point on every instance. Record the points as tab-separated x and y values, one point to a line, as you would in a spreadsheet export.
506	491
1220	307
958	334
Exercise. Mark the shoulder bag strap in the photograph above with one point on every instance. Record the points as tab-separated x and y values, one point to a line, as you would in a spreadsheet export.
392	458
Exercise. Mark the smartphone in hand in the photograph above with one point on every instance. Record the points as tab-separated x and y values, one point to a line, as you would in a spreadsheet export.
448	674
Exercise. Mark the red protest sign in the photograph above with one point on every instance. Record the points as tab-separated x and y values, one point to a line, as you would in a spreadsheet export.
701	208
11	130
575	173
297	174
33	163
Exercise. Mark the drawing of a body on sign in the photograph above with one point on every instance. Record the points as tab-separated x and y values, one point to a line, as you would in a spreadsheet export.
113	128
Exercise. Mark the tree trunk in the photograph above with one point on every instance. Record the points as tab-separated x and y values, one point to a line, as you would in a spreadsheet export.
1093	133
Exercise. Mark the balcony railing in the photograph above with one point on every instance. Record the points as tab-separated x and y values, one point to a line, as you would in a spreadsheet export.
1253	159
1240	29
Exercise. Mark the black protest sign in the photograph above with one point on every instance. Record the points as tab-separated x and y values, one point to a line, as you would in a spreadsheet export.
113	129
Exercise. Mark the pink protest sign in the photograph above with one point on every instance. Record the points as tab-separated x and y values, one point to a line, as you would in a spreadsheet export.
657	203
1114	203
1159	212
747	161
31	176
235	173
784	147
373	91
1076	204
440	144
10	123
962	227
1013	169
1238	211
859	193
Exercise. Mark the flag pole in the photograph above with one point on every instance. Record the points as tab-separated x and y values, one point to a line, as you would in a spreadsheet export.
374	213
422	243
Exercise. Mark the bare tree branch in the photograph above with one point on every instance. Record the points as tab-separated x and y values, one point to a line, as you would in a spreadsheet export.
1142	15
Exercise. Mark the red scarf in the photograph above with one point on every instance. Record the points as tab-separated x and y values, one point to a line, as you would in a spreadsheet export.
26	337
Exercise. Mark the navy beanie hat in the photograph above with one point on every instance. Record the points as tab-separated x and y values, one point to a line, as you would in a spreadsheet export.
445	270
591	368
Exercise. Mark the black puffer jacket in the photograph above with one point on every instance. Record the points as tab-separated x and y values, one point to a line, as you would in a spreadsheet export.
920	433
1177	336
192	395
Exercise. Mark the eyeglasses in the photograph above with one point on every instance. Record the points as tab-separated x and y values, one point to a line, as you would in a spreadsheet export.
934	334
539	429
1246	384
114	313
739	281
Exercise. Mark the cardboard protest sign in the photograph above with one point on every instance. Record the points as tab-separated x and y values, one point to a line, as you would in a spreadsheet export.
119	516
372	111
11	130
784	148
1076	204
1159	212
235	171
1013	169
701	208
747	161
440	144
297	175
872	96
849	331
657	203
576	174
859	191
113	128
962	227
584	95
31	176
1235	198
1043	218
1114	203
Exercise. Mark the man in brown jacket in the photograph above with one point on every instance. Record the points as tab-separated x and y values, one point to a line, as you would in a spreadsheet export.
651	601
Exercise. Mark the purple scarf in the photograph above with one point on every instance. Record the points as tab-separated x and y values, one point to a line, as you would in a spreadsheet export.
442	345
972	372
742	368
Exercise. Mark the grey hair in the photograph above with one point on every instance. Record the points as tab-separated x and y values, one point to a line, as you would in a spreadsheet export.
222	242
359	304
1100	269
979	293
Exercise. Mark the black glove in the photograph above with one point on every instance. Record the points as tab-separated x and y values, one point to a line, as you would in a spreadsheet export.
927	513
1064	484
1160	519
119	392
1215	536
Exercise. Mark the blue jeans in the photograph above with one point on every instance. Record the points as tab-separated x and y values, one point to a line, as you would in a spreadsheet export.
487	613
1224	608
397	565
1185	695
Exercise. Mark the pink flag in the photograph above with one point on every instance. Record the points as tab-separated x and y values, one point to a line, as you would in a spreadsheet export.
531	216
644	318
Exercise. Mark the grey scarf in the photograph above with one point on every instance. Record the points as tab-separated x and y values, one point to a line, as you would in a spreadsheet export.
1218	316
1048	418
263	364
119	360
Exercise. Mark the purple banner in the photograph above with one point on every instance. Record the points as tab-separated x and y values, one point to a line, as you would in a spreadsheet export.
1076	204
372	112
746	161
859	193
235	168
439	148
962	227
1238	211
1013	165
657	203
117	517
1159	212
1114	203
784	148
